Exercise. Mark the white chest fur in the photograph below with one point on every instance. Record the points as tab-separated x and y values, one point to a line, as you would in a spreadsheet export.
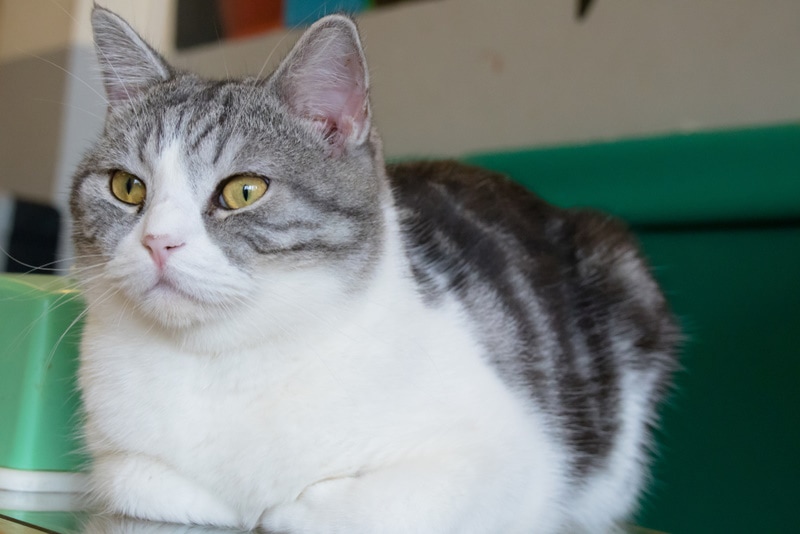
262	424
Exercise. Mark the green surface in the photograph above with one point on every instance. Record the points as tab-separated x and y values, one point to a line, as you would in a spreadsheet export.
38	361
718	215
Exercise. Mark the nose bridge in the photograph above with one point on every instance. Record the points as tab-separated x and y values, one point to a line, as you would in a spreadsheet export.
166	217
171	209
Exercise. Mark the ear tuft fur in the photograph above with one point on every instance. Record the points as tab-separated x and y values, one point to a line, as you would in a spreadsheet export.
128	63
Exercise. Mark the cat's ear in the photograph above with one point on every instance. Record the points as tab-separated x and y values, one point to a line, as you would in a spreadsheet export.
325	80
127	62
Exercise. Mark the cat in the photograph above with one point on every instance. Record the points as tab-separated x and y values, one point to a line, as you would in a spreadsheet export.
285	333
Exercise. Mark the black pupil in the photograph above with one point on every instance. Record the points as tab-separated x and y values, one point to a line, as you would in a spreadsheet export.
246	192
129	185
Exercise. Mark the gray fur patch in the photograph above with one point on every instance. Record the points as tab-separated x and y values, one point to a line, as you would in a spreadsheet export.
552	292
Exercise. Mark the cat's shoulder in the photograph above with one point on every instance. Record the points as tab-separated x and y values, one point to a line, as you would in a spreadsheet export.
458	218
463	197
417	184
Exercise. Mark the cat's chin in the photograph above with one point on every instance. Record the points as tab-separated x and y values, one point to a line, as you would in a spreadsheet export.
173	307
168	290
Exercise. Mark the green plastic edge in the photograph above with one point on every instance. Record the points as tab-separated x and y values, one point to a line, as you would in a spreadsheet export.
40	400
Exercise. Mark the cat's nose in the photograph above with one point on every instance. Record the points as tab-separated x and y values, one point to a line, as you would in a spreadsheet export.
161	246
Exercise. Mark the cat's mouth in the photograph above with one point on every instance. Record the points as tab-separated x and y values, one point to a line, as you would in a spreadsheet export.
174	305
164	287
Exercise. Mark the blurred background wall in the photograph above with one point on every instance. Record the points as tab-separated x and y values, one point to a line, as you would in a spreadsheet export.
450	77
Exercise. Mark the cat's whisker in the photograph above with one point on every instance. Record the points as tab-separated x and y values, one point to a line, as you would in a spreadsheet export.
58	283
75	321
65	71
59	301
63	300
63	9
114	70
46	266
68	105
81	276
72	269
123	312
35	267
279	43
224	54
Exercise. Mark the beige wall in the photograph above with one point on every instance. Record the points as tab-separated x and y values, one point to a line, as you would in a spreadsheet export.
449	76
457	76
153	19
34	39
34	27
51	102
31	106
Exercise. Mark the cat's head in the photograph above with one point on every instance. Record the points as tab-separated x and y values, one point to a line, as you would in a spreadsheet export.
203	197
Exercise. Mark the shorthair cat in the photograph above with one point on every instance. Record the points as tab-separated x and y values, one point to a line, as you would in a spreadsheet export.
285	333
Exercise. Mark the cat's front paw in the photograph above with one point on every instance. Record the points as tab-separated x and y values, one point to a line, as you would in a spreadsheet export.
141	487
312	511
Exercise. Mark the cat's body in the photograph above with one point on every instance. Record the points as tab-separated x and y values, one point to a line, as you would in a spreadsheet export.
428	350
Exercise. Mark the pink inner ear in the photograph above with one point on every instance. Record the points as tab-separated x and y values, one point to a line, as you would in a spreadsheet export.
328	86
338	114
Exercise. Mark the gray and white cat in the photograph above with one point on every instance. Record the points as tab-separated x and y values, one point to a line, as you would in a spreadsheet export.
284	333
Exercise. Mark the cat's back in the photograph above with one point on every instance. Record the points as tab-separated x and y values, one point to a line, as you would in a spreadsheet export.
464	225
461	221
470	231
562	300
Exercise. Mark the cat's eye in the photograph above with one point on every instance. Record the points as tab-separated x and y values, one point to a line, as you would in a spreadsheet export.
128	188
242	190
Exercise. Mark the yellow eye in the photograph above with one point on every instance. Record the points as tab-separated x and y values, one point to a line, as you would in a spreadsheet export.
242	190
128	188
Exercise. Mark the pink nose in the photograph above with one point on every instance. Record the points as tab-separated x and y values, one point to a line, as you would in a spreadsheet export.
161	246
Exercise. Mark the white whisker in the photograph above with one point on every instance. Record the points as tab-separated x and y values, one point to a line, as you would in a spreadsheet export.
72	106
46	266
75	321
67	72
